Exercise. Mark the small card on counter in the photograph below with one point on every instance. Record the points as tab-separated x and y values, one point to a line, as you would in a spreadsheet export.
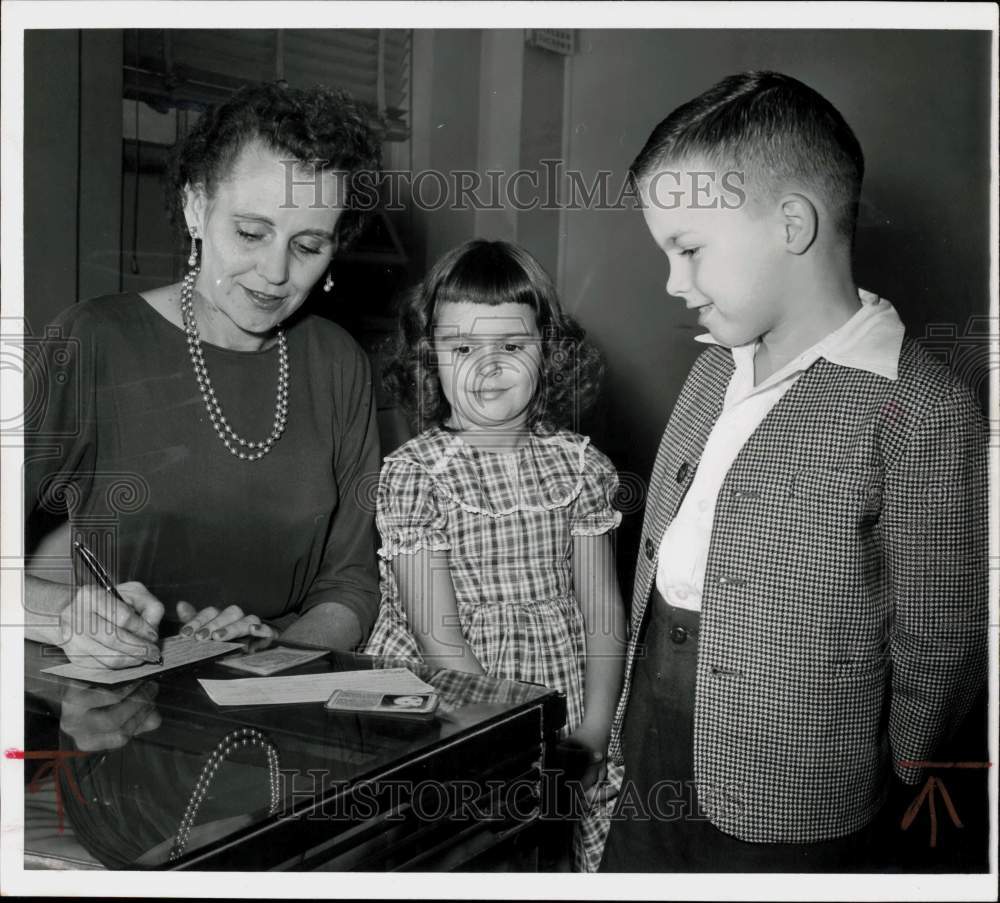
271	661
404	705
293	689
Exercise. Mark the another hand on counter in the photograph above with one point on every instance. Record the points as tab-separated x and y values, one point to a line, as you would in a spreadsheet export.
99	718
229	624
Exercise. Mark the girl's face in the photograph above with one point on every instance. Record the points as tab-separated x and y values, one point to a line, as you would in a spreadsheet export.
267	237
489	360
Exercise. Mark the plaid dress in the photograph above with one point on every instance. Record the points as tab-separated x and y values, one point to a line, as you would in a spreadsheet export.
508	522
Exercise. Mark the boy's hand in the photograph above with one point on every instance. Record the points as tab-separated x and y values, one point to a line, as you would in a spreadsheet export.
584	751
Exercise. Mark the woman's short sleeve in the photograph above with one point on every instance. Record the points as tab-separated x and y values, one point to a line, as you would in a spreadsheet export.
409	516
61	379
593	509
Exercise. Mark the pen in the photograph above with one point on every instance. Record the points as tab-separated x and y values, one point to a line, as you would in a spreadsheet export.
93	564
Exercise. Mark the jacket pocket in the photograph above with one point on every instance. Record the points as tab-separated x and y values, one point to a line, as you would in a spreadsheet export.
855	489
857	668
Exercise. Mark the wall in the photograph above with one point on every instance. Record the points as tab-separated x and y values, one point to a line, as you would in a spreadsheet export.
51	79
72	168
445	131
919	103
541	139
482	102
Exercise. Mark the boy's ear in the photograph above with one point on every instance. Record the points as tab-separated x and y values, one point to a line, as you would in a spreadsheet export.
195	206
799	223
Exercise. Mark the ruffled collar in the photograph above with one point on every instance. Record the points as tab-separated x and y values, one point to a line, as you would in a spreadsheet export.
543	474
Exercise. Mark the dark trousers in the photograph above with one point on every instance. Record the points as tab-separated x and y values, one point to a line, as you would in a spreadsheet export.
657	826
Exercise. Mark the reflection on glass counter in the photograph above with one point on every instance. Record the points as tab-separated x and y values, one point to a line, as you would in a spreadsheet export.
152	775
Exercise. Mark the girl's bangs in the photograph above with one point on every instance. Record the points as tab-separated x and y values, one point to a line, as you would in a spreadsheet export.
487	278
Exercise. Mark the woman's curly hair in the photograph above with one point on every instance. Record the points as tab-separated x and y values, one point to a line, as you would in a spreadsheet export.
310	125
493	272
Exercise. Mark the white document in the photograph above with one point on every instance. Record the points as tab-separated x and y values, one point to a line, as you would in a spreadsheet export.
311	687
177	652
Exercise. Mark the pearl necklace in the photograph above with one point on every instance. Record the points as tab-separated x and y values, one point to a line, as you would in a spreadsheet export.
244	449
234	740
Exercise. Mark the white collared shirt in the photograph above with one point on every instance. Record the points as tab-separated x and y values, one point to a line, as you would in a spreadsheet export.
871	340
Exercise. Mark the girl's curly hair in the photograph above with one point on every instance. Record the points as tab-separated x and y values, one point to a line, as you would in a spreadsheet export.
493	272
315	125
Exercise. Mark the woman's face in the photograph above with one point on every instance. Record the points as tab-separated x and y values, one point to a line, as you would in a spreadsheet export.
267	237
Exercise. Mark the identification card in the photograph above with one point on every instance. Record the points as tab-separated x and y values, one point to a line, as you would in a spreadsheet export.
397	704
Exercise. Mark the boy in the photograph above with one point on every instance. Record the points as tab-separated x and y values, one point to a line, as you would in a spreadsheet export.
811	587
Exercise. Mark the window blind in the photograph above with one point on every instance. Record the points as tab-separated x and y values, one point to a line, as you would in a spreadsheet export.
192	68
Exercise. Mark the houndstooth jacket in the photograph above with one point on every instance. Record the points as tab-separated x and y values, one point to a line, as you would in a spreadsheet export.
844	612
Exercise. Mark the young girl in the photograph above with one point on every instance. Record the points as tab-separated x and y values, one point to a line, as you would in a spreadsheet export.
495	521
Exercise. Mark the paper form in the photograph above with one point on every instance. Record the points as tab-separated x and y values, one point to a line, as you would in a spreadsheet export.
311	687
177	652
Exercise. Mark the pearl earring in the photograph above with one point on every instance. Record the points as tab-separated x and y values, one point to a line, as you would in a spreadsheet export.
193	257
328	284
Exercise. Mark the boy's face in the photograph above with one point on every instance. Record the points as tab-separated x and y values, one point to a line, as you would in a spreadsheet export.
726	255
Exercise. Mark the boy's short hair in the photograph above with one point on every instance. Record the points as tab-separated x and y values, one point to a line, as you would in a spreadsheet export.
776	130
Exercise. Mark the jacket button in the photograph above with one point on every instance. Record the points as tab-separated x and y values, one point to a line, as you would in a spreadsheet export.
649	549
678	634
682	472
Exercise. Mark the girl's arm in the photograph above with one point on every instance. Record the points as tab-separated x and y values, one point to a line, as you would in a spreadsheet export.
604	626
428	598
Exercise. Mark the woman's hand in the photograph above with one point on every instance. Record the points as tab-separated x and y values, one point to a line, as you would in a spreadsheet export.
108	717
96	630
229	624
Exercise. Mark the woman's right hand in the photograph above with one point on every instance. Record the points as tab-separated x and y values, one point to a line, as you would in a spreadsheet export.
96	630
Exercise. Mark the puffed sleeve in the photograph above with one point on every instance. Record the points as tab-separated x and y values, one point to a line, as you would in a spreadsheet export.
593	510
409	516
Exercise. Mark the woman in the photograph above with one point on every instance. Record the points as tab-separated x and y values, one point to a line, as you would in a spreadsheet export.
208	440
